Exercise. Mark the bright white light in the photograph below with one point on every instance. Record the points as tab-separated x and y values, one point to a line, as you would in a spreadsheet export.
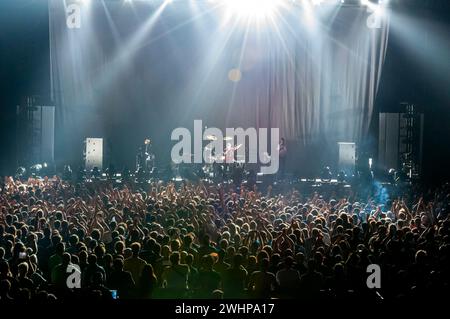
377	8
317	2
308	14
252	8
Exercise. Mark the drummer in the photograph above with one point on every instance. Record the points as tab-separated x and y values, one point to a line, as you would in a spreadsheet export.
229	153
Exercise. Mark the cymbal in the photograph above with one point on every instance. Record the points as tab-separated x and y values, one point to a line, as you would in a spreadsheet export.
211	138
216	158
227	138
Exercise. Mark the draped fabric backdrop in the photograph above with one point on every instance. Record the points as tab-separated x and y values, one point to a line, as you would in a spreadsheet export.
132	71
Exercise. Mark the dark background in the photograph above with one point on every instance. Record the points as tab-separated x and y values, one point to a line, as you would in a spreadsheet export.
414	76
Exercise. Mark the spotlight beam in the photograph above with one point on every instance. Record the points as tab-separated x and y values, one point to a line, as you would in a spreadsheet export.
241	57
121	60
253	9
175	28
212	61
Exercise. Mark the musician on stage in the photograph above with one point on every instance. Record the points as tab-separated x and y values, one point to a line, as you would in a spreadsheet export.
282	153
145	157
229	153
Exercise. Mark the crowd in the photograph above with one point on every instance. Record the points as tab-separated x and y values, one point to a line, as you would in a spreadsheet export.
208	241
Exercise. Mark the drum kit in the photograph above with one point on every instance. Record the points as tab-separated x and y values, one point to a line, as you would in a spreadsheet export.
227	155
225	164
221	166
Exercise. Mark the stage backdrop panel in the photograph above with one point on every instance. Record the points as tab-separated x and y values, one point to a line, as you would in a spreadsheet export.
125	71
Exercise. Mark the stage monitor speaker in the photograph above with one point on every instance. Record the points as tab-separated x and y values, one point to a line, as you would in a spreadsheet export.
347	157
389	141
93	153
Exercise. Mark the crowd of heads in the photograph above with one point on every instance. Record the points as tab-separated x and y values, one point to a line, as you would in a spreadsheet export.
162	240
